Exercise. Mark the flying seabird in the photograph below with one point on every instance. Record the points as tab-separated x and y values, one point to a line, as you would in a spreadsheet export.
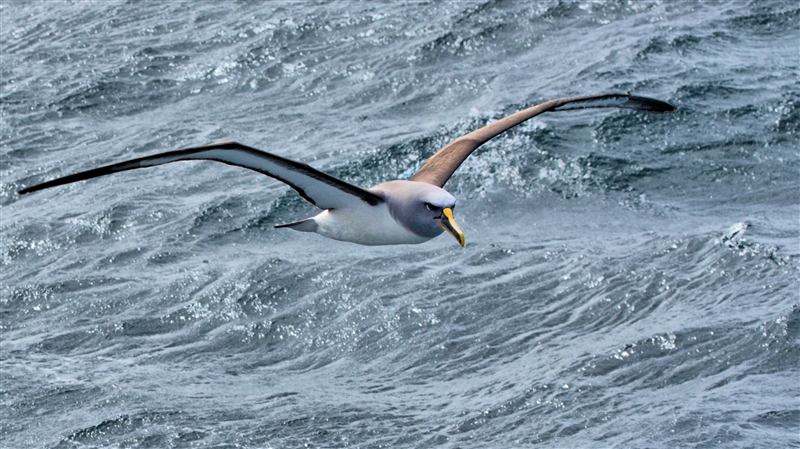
395	212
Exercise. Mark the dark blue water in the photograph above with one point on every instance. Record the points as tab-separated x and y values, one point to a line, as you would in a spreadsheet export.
629	279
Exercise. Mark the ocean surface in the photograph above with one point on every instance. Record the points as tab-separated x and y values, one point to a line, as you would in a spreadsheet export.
629	279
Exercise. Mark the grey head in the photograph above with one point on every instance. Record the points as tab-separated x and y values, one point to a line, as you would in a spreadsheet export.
424	209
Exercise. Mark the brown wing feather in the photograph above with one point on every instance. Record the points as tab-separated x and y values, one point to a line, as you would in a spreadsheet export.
441	166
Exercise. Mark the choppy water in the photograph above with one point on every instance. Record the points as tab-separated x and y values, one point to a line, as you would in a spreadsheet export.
629	279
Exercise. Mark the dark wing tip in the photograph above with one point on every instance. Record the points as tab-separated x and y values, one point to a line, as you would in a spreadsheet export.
649	104
88	174
37	187
624	101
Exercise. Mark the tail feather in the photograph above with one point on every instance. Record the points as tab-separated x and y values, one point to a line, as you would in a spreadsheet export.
307	225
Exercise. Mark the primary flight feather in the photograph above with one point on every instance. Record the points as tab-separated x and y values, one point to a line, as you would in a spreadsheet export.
395	212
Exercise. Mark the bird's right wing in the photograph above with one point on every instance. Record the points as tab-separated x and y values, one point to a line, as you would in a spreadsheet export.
320	189
438	169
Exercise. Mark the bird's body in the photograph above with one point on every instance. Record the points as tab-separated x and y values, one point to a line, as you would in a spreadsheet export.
370	225
390	222
395	212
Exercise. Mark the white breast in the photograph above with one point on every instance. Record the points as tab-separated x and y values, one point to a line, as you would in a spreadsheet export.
367	225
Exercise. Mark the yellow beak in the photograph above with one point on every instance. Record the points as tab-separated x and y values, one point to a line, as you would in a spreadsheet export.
449	224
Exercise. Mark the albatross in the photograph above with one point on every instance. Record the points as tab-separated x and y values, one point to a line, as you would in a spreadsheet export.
396	212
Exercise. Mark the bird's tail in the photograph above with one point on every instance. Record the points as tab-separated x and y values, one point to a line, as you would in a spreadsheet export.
307	225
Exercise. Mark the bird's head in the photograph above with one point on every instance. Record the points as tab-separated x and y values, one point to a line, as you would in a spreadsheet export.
424	209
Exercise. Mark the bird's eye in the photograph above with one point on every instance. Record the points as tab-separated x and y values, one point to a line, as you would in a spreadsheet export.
431	206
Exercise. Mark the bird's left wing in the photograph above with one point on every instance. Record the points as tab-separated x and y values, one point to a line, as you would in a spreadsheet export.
438	169
320	189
